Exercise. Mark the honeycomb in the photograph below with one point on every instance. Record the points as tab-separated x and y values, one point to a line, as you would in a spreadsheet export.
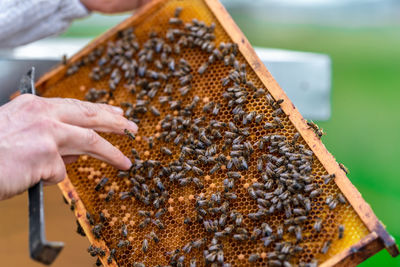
87	172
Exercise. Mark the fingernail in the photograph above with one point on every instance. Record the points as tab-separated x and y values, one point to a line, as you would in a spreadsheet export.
128	163
117	109
133	126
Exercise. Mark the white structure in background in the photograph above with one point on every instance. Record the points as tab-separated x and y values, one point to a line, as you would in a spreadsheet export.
343	13
306	77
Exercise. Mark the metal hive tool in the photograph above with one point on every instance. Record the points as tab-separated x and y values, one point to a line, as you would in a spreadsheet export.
40	249
364	235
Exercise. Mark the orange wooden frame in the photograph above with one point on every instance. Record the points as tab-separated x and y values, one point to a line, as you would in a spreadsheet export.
368	246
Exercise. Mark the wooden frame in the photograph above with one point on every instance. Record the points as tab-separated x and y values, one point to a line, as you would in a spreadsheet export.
69	193
377	239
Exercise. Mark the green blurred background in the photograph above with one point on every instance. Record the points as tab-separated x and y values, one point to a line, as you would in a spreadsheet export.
364	130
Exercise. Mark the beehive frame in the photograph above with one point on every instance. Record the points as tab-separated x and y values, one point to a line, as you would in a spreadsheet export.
377	238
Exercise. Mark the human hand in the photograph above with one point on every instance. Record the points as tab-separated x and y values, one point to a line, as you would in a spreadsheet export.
38	136
113	6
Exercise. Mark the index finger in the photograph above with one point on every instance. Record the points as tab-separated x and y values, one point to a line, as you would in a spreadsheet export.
99	117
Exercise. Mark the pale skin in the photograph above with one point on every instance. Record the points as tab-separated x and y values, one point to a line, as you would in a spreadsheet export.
113	6
38	136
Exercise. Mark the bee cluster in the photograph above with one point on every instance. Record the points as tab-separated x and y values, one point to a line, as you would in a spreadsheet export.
193	144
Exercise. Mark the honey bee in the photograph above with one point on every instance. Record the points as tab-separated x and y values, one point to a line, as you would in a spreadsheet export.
198	183
299	211
239	219
328	177
123	243
185	90
199	242
326	246
312	125
254	257
158	223
279	232
79	229
144	223
298	233
255	234
175	21
210	257
240	237
160	212
184	80
102	217
315	193
180	261
101	184
145	245
155	111
109	196
267	240
278	122
220	256
216	109
111	256
89	218
215	168
341	198
153	236
332	205
73	204
300	219
259	118
193	262
129	134
328	199
344	168
268	126
124	230
123	174
166	151
341	231
125	195
177	48
96	230
318	131
203	68
321	133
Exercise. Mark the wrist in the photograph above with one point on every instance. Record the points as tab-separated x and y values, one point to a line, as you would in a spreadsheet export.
87	4
112	6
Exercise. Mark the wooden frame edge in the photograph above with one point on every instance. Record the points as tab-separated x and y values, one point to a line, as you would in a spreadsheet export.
69	192
357	253
361	207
